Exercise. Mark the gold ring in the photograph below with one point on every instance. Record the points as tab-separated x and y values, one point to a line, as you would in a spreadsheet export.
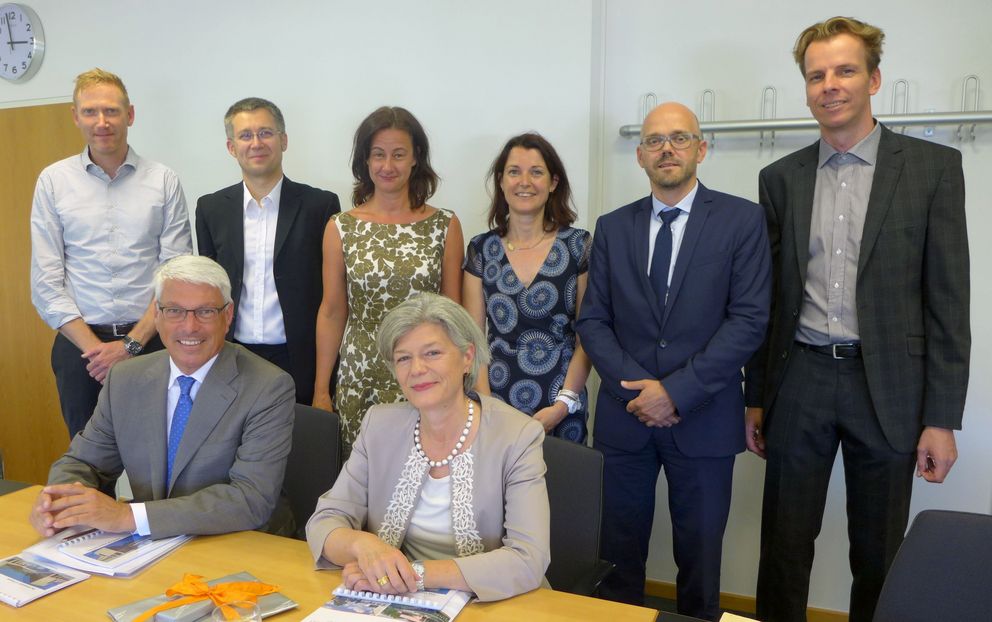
383	580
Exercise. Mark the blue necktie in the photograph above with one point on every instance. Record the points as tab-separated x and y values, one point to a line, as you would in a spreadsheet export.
661	261
179	419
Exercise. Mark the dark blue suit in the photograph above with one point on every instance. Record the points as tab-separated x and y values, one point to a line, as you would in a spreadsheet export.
714	320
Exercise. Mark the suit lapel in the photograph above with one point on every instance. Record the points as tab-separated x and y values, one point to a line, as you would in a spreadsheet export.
236	225
690	237
211	403
642	230
804	182
156	384
888	170
289	207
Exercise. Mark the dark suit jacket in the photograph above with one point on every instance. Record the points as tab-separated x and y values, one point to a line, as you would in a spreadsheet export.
715	319
912	291
229	468
303	214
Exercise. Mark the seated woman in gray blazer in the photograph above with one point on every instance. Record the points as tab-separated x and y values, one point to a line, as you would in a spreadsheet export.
445	490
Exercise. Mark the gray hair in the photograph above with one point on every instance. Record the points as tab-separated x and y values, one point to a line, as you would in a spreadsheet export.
428	308
196	270
251	104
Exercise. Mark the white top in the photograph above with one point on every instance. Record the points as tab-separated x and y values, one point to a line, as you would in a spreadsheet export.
172	398
96	241
259	314
678	226
430	534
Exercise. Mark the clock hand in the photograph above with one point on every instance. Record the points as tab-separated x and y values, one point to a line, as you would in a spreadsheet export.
10	35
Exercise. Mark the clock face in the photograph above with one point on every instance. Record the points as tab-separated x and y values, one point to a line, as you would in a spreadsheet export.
22	42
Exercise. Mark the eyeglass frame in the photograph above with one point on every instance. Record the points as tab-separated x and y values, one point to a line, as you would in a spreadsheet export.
211	317
246	136
670	139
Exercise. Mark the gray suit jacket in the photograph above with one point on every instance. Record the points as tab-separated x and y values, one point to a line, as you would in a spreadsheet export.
508	494
229	469
912	288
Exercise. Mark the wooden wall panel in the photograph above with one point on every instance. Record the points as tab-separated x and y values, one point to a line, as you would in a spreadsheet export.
32	434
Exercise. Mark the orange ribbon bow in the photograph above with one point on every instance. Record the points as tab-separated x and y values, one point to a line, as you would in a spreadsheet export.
193	589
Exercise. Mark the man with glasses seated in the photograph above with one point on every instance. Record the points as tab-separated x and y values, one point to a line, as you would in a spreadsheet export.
267	231
677	302
203	428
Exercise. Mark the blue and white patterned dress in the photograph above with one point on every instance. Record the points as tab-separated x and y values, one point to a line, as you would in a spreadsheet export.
532	329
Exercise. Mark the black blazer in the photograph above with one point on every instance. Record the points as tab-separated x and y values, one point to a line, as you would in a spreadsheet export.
303	214
912	287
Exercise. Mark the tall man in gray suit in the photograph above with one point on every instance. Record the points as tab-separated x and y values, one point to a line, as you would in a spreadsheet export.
203	428
869	342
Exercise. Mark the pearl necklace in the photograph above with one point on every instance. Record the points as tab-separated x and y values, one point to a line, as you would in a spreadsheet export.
458	445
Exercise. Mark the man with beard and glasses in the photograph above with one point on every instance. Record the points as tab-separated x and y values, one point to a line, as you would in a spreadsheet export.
677	302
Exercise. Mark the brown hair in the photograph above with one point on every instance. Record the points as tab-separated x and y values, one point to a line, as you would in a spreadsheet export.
423	179
558	211
871	36
251	104
96	76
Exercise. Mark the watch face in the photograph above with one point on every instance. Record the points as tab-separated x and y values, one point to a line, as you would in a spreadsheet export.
22	42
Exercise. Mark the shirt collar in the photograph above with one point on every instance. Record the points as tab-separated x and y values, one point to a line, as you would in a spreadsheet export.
275	195
198	375
685	204
130	160
865	150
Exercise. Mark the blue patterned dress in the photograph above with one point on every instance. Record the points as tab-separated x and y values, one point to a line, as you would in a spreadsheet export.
532	329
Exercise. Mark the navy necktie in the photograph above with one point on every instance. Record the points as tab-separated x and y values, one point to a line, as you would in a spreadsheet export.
179	419
661	261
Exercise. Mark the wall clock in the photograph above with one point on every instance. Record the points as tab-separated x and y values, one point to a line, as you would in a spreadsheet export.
22	42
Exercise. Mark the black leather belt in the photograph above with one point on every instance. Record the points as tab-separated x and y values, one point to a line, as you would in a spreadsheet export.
835	350
112	331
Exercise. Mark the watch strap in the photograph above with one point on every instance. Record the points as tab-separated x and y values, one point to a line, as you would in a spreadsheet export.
418	567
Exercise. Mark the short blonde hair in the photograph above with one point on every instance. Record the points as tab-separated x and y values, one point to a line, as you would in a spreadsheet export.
97	76
871	36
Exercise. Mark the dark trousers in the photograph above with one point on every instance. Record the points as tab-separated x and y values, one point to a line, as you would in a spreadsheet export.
821	404
699	492
278	355
78	391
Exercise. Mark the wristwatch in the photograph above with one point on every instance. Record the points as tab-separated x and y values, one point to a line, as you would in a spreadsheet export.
418	567
570	399
133	346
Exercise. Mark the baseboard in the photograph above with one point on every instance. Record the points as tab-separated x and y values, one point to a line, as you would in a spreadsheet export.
739	602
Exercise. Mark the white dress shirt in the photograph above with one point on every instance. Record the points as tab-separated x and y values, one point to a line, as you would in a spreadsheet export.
259	317
96	241
171	400
678	226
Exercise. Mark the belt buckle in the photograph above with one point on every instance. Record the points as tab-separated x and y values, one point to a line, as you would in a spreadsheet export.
833	349
116	326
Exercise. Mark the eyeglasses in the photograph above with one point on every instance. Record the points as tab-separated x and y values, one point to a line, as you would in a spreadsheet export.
203	314
679	141
263	134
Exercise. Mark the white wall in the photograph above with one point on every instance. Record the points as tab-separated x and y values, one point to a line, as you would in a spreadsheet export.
475	73
472	74
737	48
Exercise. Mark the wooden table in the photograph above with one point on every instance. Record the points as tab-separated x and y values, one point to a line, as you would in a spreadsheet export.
282	561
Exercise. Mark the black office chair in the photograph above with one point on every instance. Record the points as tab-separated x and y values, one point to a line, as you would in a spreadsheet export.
942	571
575	492
314	461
